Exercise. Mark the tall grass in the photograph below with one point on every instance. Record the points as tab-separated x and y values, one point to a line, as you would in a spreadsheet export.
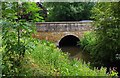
48	60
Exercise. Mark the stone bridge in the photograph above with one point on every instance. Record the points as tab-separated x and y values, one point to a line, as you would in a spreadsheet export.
62	33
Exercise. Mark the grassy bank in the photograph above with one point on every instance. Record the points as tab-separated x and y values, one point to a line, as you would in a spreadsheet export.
48	60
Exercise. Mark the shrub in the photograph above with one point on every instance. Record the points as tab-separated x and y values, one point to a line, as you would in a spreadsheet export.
17	25
88	41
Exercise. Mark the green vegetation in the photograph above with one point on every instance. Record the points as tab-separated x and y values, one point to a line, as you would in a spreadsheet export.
24	56
103	44
48	60
25	11
66	11
88	41
17	29
107	23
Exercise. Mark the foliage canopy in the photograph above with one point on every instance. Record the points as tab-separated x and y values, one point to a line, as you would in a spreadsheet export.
64	11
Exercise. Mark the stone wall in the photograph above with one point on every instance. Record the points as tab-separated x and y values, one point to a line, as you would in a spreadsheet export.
62	26
55	31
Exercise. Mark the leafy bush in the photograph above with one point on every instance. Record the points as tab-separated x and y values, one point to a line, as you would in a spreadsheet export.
107	24
88	41
15	41
17	29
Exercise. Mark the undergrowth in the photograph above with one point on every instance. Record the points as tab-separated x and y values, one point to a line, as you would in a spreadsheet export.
48	60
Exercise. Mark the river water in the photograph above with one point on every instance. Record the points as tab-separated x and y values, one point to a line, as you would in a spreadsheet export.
76	52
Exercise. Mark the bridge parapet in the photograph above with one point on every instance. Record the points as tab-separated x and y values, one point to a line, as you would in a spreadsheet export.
63	26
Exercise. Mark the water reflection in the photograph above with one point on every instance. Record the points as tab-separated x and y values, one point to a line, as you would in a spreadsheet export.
76	52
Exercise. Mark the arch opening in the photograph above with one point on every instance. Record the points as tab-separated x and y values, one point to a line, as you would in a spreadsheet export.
69	40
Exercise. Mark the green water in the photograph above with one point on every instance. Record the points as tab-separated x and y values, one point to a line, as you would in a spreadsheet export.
76	52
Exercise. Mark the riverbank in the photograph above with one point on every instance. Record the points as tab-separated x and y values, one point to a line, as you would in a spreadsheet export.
48	60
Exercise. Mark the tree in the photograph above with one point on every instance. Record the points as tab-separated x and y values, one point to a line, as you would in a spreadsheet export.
60	11
17	29
107	24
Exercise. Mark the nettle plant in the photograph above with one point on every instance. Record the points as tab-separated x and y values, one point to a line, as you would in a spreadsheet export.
17	29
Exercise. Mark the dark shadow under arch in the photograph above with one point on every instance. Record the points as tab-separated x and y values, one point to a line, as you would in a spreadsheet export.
69	40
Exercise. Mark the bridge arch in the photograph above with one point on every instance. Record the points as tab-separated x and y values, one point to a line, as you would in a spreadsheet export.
68	40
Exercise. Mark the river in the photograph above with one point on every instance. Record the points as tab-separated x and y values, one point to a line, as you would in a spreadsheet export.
76	52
